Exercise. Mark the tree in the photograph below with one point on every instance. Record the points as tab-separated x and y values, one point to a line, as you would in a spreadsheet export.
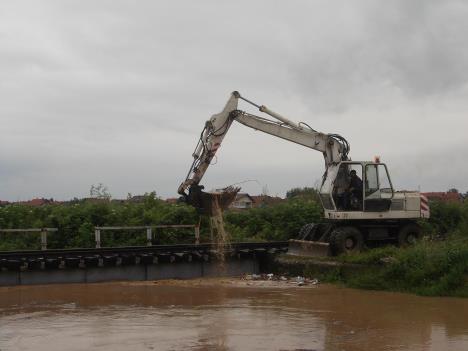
100	191
303	193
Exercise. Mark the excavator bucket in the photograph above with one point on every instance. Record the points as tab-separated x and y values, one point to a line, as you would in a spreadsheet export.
211	203
308	248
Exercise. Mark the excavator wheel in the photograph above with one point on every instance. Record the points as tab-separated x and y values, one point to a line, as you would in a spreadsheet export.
346	240
306	232
409	234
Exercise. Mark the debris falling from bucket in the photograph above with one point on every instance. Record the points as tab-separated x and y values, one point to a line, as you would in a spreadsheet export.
220	237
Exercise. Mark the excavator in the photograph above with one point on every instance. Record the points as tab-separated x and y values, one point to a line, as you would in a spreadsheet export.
360	205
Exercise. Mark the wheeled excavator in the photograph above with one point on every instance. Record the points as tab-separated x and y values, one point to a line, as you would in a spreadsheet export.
360	205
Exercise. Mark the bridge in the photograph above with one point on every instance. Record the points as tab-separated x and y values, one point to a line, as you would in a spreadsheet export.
151	262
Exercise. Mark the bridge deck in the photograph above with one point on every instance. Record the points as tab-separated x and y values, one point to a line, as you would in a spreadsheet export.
131	263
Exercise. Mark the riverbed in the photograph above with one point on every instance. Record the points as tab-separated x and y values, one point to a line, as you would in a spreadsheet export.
226	314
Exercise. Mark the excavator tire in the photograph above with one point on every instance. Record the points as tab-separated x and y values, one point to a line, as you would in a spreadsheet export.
306	231
346	240
409	234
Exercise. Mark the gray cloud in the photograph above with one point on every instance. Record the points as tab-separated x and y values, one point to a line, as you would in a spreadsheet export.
117	91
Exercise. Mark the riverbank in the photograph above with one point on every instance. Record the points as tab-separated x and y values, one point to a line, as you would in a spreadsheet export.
428	268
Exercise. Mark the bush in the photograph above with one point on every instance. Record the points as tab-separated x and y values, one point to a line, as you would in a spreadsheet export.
76	221
280	222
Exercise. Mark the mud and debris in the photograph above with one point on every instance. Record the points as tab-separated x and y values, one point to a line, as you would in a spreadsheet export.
219	201
281	279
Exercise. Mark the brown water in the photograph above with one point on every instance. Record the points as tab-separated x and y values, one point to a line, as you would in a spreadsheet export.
226	315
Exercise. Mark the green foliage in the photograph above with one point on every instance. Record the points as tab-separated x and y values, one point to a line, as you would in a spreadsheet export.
99	191
304	193
76	221
370	257
280	222
428	268
447	217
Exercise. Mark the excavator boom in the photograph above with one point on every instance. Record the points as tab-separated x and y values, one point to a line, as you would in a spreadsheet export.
333	147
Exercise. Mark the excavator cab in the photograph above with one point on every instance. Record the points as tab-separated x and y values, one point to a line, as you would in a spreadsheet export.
358	186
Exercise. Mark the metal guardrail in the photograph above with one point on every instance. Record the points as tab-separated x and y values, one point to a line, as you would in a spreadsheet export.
149	231
43	232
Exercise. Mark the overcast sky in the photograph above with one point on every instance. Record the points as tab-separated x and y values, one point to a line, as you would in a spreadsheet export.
117	92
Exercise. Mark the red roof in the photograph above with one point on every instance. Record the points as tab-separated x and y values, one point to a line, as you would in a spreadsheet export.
37	202
450	196
264	200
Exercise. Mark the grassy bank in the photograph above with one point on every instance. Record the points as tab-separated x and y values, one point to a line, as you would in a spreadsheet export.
428	268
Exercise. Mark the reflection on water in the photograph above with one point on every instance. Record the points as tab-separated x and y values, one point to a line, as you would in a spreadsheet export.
124	316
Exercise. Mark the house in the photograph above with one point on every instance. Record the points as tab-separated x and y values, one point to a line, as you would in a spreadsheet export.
242	201
172	200
4	203
266	200
449	196
37	202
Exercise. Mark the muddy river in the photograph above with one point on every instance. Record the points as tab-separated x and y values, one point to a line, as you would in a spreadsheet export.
226	315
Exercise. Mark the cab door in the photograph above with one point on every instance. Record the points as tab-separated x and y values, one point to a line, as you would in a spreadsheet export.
378	189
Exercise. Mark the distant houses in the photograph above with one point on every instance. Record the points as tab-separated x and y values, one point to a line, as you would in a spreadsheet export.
266	200
242	201
449	196
246	201
172	200
37	202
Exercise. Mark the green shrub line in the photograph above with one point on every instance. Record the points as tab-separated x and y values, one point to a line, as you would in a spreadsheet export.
76	221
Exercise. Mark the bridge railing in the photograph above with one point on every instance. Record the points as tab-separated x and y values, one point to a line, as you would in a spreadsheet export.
149	231
43	232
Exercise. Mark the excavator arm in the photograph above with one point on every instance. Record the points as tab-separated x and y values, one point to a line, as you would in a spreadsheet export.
333	147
